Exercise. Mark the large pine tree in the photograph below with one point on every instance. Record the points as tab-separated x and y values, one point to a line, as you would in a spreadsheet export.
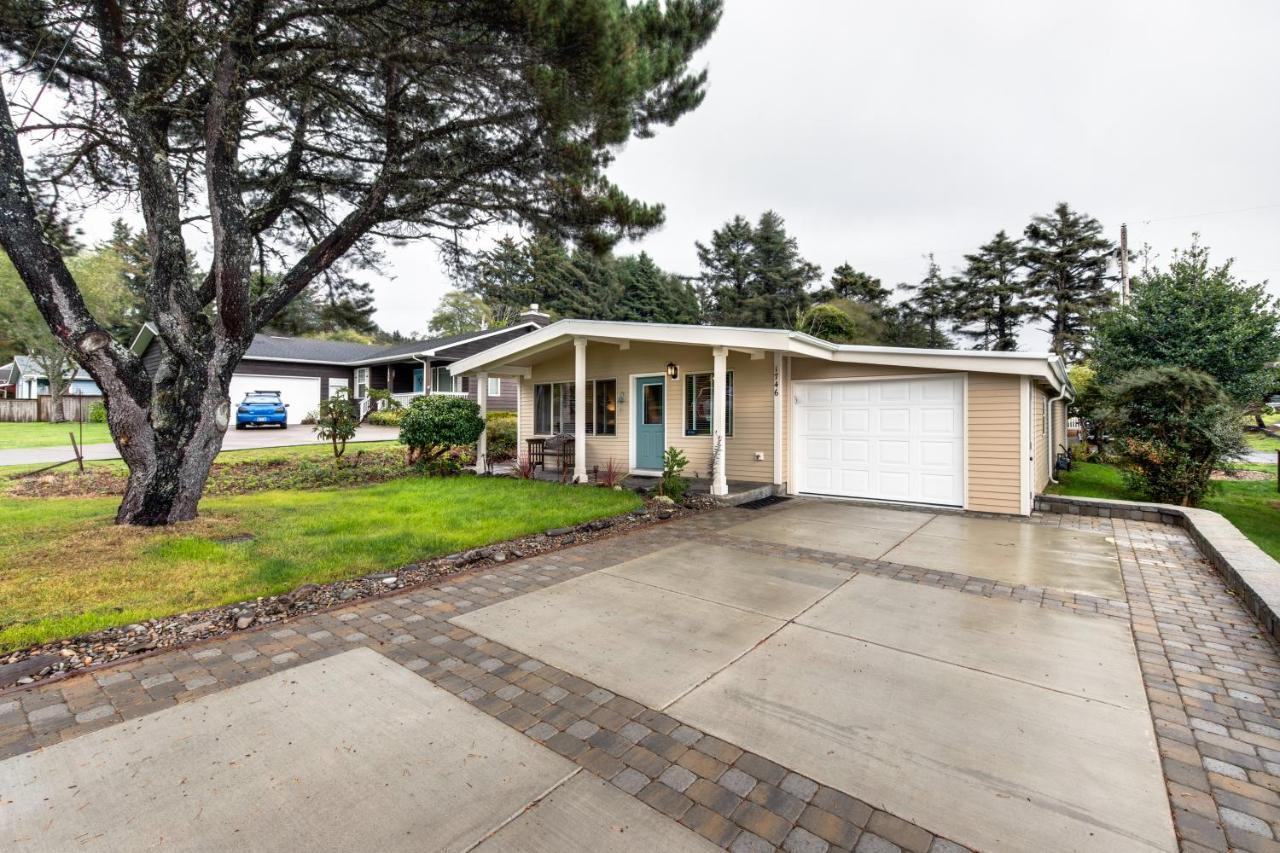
1067	260
651	295
927	309
755	276
990	299
854	285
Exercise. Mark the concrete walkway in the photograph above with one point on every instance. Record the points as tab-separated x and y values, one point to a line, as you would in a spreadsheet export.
809	676
233	439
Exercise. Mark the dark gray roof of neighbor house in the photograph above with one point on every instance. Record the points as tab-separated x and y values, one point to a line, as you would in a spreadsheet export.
310	349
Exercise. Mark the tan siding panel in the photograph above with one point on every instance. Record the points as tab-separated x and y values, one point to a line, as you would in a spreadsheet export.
992	413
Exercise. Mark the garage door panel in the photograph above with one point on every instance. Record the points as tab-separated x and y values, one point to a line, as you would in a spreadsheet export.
893	420
855	451
817	420
893	391
900	439
855	420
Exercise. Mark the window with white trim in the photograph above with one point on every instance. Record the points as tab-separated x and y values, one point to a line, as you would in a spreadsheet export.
698	403
441	380
495	386
362	382
553	407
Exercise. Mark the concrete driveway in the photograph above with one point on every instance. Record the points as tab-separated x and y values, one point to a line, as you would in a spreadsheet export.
234	439
997	725
812	676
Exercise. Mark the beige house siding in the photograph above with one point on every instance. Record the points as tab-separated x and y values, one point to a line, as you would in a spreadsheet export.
992	412
994	445
752	412
1040	439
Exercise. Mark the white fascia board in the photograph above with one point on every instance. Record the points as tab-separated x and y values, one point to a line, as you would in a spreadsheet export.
143	339
667	333
1018	364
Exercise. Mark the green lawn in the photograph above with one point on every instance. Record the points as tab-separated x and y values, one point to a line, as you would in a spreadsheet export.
50	435
1261	441
65	569
1253	506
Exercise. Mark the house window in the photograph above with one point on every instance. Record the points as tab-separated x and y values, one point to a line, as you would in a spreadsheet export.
553	407
362	382
441	380
698	400
495	387
605	421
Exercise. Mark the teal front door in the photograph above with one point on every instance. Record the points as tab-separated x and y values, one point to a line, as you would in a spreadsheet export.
650	422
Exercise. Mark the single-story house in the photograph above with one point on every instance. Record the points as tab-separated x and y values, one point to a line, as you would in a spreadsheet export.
975	430
305	370
24	379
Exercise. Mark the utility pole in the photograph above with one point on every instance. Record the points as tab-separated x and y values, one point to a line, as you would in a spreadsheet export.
1124	264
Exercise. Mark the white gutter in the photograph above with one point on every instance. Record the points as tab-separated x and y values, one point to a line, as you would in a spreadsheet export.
1053	451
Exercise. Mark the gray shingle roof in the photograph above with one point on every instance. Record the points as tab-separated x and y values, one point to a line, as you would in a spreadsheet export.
342	352
27	366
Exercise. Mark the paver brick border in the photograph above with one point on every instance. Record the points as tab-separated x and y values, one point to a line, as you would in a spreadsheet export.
1248	570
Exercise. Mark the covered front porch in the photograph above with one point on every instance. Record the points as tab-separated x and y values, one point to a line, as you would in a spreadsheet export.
624	402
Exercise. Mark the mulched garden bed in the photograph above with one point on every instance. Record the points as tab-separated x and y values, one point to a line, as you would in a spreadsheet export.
355	468
62	658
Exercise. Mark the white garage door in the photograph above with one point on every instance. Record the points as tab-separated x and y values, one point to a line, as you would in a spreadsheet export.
887	439
301	393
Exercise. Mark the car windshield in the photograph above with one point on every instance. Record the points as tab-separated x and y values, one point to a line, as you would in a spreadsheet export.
262	398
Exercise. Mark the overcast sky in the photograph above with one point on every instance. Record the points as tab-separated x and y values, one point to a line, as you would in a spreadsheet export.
885	130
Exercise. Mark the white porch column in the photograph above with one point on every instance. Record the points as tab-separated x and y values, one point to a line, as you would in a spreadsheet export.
720	485
777	419
580	410
482	445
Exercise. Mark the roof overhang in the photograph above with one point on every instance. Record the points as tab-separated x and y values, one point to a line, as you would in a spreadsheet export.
441	350
1044	366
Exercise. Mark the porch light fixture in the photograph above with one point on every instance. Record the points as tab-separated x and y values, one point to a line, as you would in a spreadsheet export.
673	371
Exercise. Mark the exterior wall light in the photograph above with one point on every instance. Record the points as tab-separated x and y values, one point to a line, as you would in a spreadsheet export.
673	371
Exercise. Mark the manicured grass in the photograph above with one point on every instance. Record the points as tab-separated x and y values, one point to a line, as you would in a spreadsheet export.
1261	441
1253	506
50	435
65	569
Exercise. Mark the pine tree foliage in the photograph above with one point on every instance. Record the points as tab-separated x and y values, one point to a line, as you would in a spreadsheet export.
990	302
930	306
854	285
755	276
1067	260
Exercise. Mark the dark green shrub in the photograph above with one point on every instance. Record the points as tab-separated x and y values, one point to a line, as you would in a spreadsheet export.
98	413
501	436
431	426
1171	428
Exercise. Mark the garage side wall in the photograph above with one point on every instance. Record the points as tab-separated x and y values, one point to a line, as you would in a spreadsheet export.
1040	435
994	443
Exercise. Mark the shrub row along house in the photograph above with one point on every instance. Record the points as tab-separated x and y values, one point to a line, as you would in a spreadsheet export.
976	430
306	371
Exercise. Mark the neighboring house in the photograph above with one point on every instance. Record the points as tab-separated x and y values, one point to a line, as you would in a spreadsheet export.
306	371
23	379
938	427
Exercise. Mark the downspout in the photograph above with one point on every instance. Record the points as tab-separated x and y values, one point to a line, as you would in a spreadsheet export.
1053	450
426	373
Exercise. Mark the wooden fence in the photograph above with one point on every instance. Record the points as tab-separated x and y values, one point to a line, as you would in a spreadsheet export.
74	407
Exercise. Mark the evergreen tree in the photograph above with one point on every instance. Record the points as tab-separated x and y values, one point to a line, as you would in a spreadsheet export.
990	296
651	295
1067	258
755	276
726	271
848	283
927	309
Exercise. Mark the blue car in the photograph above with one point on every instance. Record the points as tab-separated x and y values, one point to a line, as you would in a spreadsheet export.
262	408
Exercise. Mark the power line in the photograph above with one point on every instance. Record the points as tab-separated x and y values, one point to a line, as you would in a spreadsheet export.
1210	213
